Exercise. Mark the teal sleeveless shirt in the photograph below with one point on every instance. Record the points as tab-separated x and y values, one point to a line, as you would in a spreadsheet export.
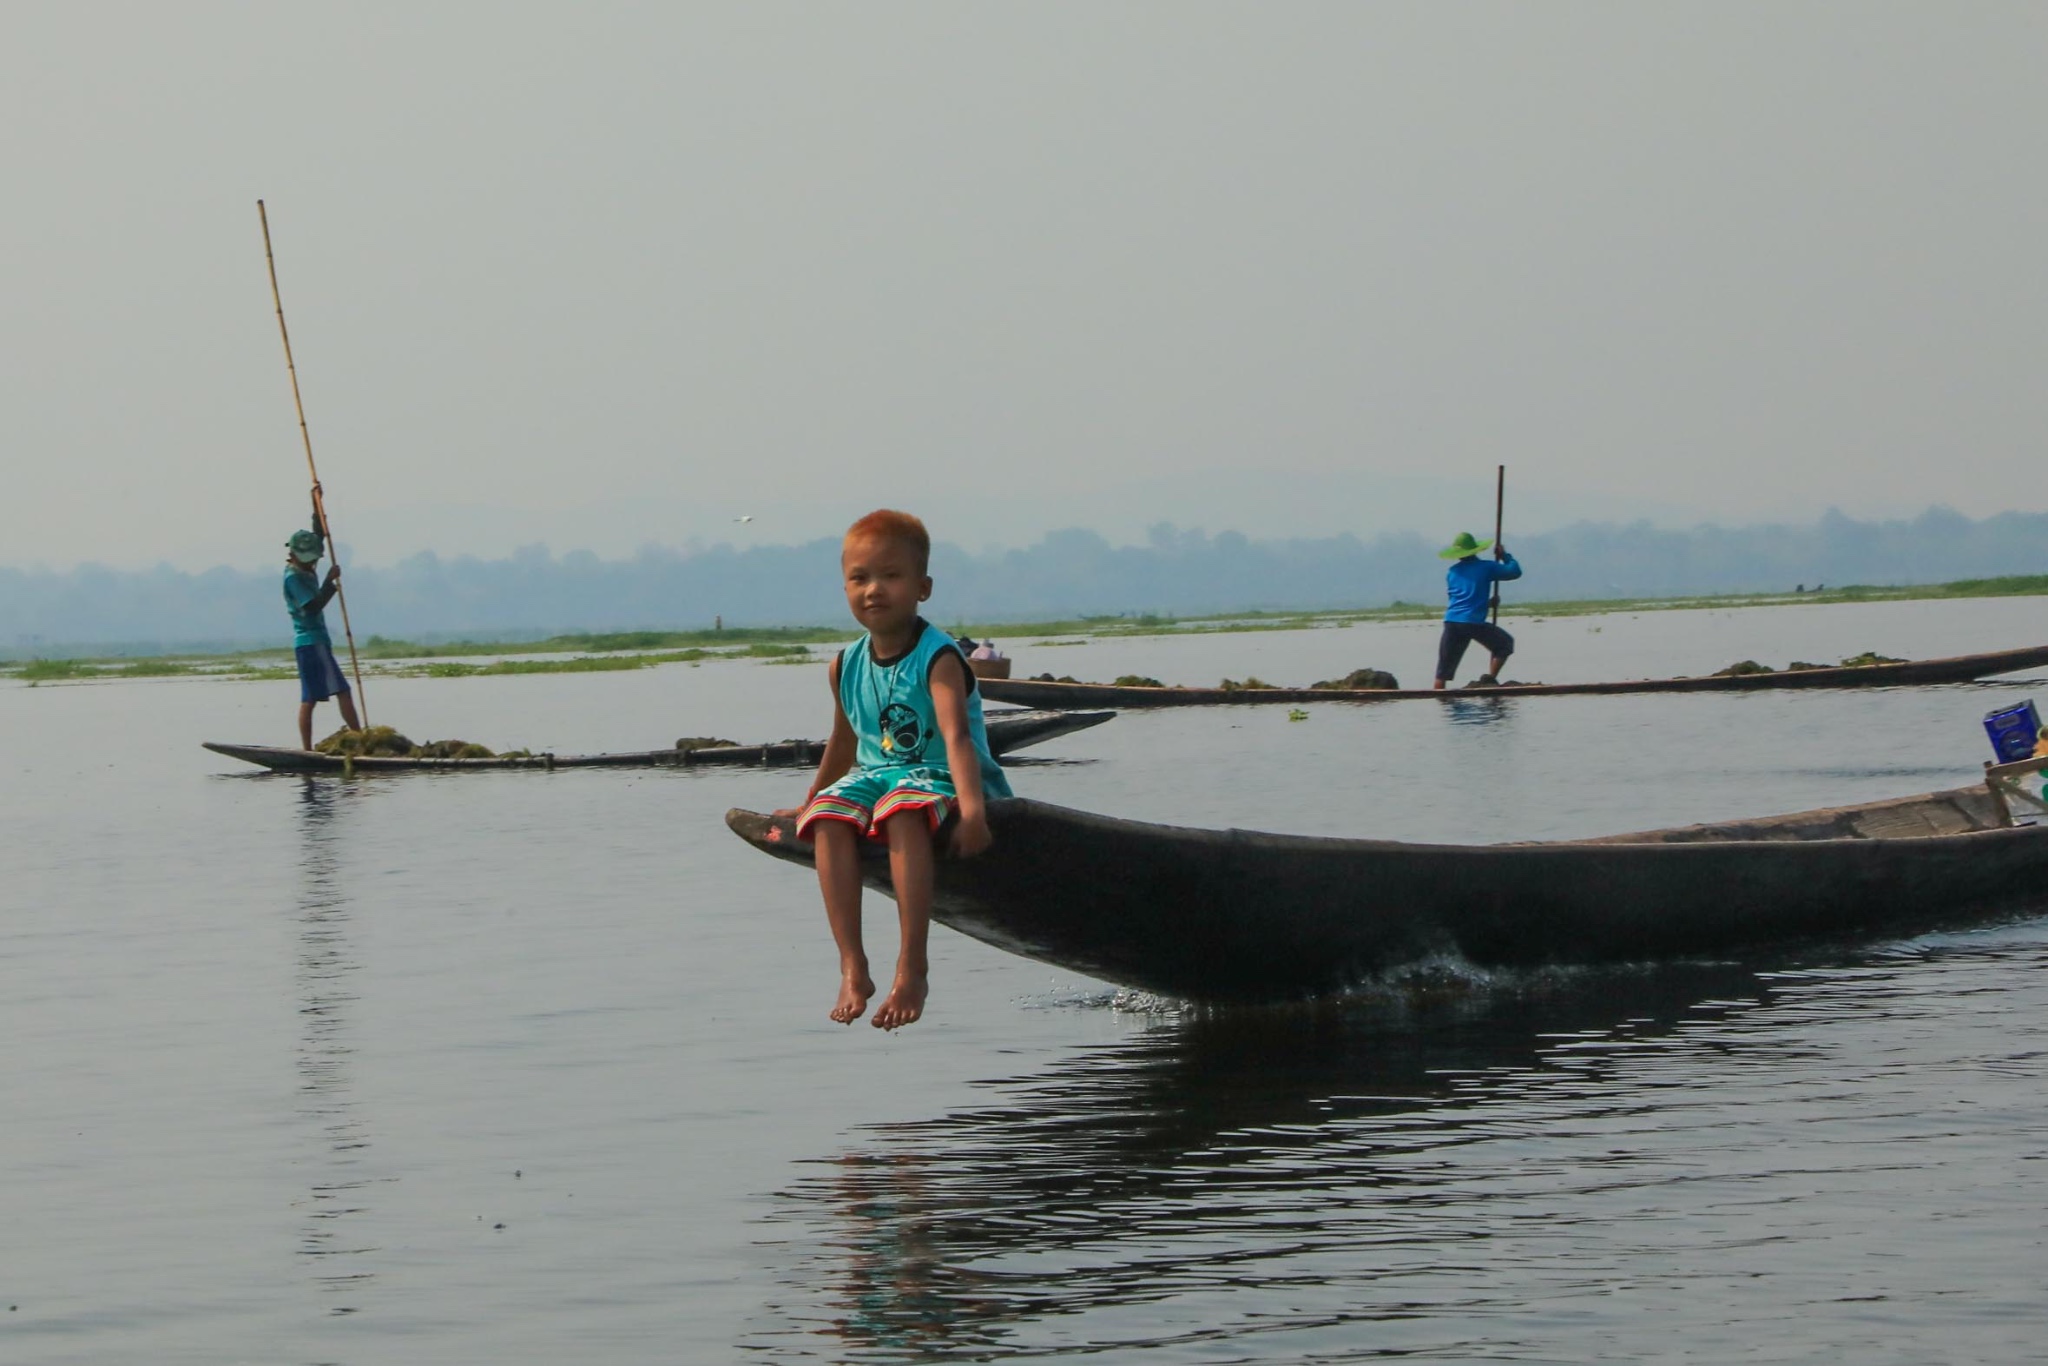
890	707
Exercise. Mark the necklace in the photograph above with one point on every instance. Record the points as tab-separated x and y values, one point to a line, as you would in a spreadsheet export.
884	701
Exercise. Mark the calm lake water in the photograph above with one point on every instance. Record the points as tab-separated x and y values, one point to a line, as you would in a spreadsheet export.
534	1068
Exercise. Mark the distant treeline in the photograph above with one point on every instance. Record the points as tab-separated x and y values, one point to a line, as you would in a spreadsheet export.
1068	573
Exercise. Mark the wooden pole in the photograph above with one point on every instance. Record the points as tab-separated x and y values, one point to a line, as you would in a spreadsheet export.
1500	497
325	528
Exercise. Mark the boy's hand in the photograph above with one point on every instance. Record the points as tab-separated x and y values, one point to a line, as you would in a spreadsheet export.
333	574
971	836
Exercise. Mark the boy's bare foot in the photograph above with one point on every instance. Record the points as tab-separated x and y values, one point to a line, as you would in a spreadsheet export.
905	1002
854	990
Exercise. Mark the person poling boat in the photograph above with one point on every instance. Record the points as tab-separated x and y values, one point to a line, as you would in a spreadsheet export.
1471	580
306	596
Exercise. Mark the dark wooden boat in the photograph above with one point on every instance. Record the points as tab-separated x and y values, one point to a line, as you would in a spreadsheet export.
1959	669
1227	915
1008	732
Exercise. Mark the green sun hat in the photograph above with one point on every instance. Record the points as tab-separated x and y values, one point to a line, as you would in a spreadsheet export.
1463	546
306	547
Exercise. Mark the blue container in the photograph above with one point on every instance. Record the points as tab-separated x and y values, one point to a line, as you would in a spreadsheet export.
2013	731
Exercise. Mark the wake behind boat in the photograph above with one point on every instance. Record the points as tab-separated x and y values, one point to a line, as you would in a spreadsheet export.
1958	669
1008	731
1234	915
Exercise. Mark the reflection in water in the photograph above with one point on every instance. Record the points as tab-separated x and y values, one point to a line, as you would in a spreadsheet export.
325	963
1478	711
1307	1153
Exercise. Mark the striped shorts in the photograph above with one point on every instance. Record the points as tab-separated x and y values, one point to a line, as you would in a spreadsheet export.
867	797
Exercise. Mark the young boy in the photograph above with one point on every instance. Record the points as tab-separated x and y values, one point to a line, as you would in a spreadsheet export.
306	597
907	765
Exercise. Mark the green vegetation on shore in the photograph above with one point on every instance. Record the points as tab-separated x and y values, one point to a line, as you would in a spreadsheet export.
618	650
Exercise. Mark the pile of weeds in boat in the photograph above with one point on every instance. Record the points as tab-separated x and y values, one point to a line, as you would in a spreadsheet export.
1742	668
1362	680
385	742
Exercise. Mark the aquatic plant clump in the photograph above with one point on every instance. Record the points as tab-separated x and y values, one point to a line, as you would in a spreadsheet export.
385	742
1136	681
1250	684
1362	679
690	742
1745	667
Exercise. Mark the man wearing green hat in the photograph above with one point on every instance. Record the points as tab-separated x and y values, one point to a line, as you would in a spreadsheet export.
306	597
1471	581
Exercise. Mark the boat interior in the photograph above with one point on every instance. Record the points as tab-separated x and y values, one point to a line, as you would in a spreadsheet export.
1959	811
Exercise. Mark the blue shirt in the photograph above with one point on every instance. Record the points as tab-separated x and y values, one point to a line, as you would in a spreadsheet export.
1471	584
890	707
309	627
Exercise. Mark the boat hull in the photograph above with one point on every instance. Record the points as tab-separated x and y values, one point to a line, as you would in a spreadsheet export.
1008	732
1227	915
1028	692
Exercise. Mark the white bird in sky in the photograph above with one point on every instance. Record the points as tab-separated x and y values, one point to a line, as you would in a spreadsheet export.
743	519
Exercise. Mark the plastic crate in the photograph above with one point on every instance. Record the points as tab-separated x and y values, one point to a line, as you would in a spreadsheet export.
2013	731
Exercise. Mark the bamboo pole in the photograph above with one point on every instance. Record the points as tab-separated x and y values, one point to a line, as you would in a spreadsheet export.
325	528
1500	497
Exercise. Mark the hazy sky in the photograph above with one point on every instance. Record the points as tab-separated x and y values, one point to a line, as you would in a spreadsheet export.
601	275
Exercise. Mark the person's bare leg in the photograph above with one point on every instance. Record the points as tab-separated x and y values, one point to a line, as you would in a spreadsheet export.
1438	684
1495	665
910	869
348	711
305	725
838	856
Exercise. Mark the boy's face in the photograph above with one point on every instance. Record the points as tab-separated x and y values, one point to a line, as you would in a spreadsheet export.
884	584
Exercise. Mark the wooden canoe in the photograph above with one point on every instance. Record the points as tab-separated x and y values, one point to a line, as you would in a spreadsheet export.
1959	669
1008	731
1233	915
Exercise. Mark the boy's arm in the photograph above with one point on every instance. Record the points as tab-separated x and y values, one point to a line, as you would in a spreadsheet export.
949	702
839	750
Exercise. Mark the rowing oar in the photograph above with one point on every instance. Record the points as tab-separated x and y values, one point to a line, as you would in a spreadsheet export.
326	528
1500	496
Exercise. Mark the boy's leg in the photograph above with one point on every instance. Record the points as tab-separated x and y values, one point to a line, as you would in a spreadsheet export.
910	870
837	846
305	725
348	709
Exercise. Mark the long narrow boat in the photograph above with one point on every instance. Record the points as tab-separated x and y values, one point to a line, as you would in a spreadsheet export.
1228	915
1008	732
1029	692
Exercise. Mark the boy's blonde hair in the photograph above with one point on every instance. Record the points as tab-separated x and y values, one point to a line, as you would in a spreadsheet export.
889	524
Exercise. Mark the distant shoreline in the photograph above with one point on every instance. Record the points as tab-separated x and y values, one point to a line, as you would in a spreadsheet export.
601	652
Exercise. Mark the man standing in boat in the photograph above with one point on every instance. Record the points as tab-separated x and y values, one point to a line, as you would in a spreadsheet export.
1471	581
306	597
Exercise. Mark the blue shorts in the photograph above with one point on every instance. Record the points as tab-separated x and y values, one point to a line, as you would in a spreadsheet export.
868	797
319	676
